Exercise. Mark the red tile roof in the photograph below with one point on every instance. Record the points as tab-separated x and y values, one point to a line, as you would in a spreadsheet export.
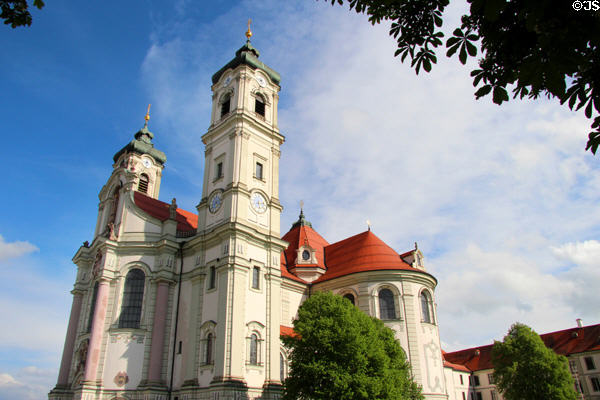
287	331
565	342
186	221
359	253
287	274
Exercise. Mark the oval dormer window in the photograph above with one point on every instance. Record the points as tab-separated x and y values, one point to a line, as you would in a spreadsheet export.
306	255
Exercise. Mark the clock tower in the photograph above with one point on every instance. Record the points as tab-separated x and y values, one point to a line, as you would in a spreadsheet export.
239	222
241	172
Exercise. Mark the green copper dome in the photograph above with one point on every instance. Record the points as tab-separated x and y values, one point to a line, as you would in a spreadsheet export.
142	144
247	55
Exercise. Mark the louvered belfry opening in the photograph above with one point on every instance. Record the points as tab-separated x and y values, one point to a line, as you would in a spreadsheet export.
225	106
259	107
143	184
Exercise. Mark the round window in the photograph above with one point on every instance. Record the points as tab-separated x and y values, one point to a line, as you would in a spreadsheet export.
306	255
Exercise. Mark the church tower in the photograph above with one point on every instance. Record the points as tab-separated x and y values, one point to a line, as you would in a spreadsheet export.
239	219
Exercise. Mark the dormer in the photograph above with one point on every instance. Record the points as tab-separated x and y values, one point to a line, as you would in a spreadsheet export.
414	258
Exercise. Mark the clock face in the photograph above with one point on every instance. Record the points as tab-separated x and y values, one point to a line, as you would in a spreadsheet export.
215	201
147	163
258	202
261	81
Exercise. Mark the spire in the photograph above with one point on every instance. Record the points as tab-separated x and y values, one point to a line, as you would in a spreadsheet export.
248	55
142	143
249	32
147	117
301	219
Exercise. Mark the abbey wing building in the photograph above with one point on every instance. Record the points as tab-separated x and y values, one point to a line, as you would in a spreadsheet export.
172	304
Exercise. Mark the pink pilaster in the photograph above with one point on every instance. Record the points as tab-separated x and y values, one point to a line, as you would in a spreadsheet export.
158	331
67	357
93	355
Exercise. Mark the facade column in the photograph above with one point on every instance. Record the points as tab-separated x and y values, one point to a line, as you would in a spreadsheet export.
93	356
190	356
158	331
67	356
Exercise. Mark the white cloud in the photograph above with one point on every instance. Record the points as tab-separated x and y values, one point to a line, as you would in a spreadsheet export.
10	250
29	383
587	252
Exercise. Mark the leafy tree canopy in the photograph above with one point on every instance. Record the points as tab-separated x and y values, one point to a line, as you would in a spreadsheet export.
341	353
15	12
525	369
541	47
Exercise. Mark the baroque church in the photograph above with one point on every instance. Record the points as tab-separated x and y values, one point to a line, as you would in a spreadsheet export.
173	304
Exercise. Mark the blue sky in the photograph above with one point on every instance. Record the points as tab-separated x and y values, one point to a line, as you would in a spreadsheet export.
503	201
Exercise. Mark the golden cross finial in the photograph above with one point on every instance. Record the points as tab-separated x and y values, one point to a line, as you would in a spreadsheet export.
369	224
147	117
249	32
301	204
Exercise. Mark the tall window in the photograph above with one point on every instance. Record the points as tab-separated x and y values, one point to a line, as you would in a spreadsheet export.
589	363
256	277
491	379
259	171
208	358
573	366
225	105
212	277
259	106
494	395
92	307
143	183
131	308
595	383
350	297
281	367
425	307
387	309
254	349
219	171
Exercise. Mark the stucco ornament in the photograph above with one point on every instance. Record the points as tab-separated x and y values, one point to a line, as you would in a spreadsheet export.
121	379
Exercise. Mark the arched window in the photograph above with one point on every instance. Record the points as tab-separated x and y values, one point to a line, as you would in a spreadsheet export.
425	310
254	349
208	357
225	105
281	367
92	307
143	183
133	295
387	308
350	297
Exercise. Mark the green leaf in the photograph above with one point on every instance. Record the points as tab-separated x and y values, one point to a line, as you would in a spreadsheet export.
482	91
471	49
452	50
462	55
500	95
451	41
